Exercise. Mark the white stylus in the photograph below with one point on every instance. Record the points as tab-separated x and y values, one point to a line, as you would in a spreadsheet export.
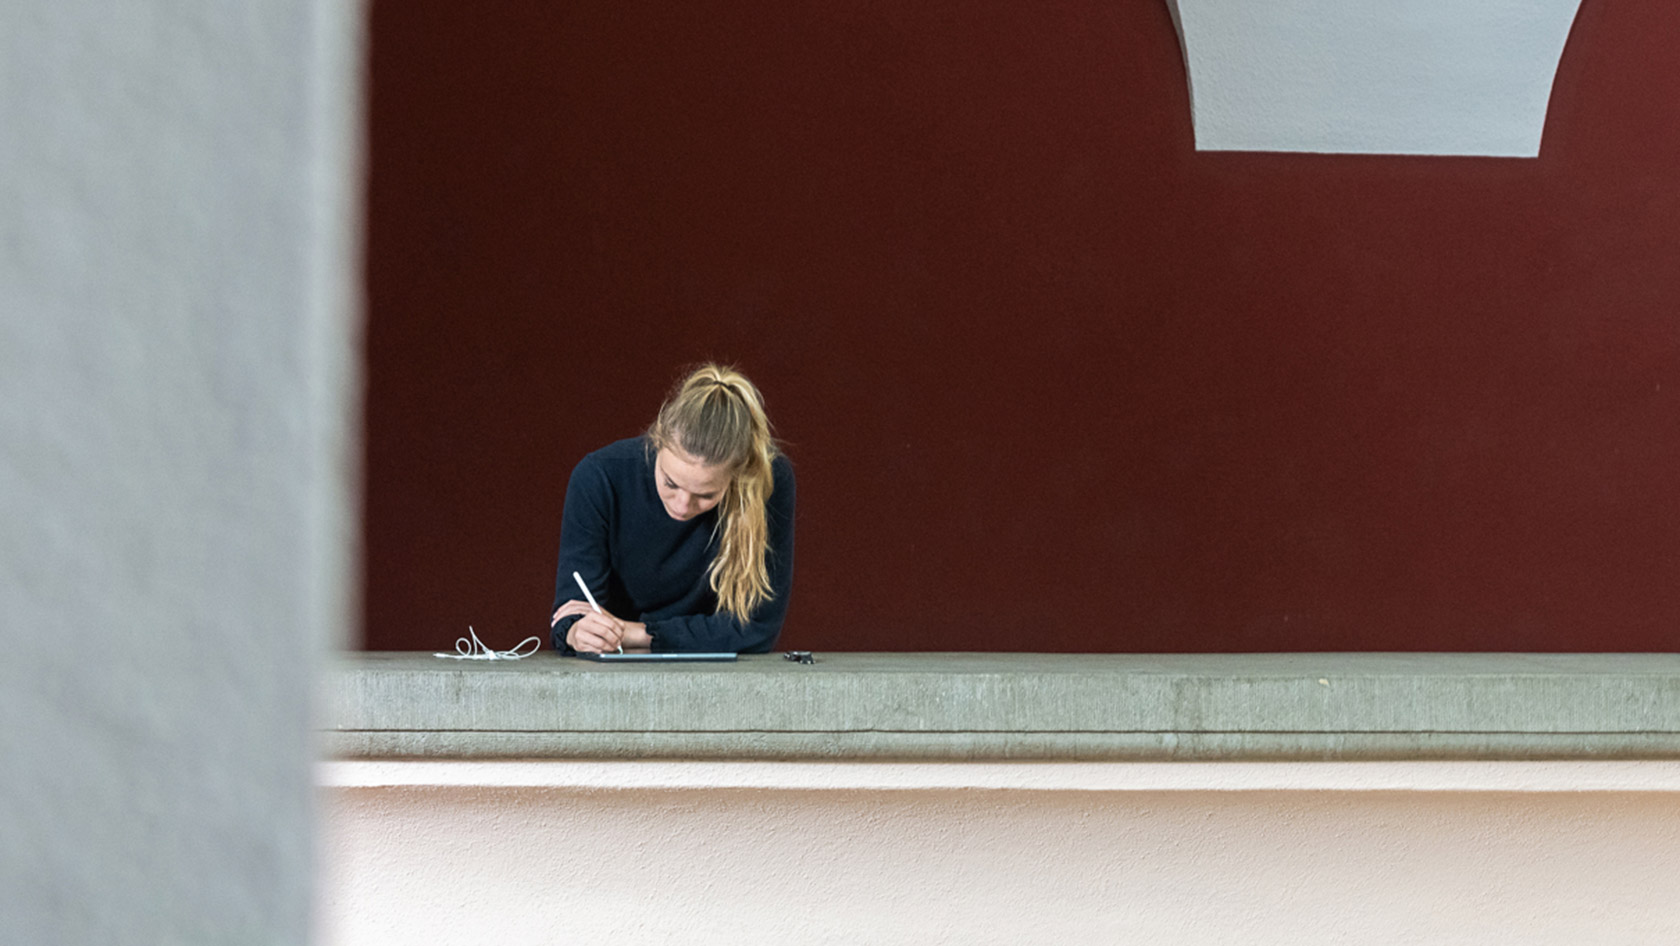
591	598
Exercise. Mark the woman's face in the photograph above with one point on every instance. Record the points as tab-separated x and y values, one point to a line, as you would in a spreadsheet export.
687	487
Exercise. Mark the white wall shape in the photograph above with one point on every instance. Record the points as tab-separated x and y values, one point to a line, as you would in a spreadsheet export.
1428	77
626	854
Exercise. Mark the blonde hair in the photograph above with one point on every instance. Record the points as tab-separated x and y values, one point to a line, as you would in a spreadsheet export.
716	416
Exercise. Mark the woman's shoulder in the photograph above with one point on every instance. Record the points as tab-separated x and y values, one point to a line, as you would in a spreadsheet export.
618	462
783	489
631	452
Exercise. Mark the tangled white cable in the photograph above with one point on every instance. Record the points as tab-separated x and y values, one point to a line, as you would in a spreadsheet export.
474	649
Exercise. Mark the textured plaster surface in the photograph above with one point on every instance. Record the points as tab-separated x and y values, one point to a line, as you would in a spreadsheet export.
1016	706
1470	77
176	255
644	864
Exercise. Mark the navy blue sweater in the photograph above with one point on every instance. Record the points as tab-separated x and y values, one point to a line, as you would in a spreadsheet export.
642	565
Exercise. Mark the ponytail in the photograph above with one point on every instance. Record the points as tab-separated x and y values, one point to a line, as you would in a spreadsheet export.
716	416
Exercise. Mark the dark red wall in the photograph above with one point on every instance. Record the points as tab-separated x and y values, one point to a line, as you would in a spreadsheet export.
1051	379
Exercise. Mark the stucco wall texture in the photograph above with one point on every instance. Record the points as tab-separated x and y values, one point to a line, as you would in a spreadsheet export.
622	866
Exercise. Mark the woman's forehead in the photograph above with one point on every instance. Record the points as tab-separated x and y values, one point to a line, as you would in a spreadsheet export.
690	472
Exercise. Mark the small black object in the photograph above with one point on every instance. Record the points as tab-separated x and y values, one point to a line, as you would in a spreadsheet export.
800	656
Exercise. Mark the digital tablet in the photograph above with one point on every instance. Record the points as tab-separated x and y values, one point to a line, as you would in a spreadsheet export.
642	657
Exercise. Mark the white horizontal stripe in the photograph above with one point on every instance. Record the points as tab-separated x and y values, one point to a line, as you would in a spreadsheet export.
1654	776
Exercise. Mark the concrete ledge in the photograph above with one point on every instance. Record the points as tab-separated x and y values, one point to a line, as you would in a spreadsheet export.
976	707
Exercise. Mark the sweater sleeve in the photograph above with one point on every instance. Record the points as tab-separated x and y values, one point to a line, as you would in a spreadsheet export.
583	544
722	632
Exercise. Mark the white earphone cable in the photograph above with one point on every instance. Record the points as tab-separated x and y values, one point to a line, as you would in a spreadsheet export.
474	649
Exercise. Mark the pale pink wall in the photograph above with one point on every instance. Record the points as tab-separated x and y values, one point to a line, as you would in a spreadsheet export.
1528	853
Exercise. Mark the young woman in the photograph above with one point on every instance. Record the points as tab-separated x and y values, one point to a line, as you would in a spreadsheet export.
685	534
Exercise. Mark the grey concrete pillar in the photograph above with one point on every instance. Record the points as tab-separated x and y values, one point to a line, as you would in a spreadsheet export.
178	388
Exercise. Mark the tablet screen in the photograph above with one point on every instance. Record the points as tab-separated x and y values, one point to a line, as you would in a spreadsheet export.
643	657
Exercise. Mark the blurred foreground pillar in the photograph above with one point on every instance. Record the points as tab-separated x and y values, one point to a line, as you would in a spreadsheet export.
178	248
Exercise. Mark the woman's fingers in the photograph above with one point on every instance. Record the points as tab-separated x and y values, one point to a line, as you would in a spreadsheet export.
594	632
569	608
588	639
604	626
575	641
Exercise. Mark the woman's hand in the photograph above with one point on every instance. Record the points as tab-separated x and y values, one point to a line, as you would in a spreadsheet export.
568	609
595	633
